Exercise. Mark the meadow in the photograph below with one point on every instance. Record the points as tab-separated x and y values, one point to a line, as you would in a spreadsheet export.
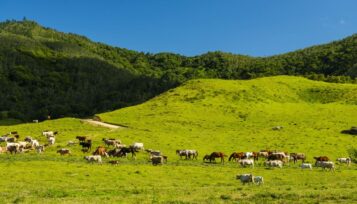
207	115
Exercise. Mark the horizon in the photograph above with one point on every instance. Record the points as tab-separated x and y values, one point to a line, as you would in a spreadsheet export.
194	28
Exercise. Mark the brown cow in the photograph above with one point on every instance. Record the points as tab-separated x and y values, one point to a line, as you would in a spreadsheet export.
237	155
101	151
215	155
298	156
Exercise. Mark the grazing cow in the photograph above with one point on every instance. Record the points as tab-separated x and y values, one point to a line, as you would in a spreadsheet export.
306	166
13	148
125	150
64	151
215	155
245	178
346	160
321	158
258	180
237	155
246	162
206	158
86	144
40	149
51	140
326	165
138	146
101	151
49	133
274	163
13	133
112	142
157	160
155	153
187	153
93	158
298	156
248	155
81	138
34	143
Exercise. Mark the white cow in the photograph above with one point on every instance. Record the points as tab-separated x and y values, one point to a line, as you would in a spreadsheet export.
49	133
274	163
93	158
138	146
346	160
40	148
246	162
306	166
51	140
326	165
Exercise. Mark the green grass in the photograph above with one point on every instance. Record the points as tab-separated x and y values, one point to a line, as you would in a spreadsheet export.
207	115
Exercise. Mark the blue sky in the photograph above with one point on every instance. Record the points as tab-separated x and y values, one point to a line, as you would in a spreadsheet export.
192	27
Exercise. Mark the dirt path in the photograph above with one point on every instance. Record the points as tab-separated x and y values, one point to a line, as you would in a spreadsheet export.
102	124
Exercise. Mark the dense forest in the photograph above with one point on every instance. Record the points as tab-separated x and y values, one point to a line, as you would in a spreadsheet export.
44	72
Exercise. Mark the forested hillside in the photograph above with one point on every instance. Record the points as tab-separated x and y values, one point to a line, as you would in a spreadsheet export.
45	72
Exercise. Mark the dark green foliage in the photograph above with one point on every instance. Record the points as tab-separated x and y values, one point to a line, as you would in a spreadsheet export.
353	154
45	72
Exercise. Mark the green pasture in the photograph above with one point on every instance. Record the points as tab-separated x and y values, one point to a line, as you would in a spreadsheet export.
206	115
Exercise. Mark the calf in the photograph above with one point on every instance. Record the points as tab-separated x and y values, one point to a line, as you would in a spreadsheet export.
51	140
326	165
81	138
306	166
64	152
258	180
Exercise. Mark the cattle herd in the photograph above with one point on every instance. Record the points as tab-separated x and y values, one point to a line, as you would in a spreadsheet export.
244	159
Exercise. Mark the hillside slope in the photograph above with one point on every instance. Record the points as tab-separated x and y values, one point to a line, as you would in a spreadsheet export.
46	72
212	115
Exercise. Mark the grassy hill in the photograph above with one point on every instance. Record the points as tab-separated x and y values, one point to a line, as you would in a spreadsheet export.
47	72
207	115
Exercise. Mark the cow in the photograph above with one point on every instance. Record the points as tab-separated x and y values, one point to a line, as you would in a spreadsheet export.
157	160
274	163
51	140
93	158
245	178
64	151
125	150
298	156
187	153
40	149
263	154
81	138
346	160
237	155
13	148
49	133
101	151
277	128
86	144
246	162
306	166
258	180
112	142
326	165
138	146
